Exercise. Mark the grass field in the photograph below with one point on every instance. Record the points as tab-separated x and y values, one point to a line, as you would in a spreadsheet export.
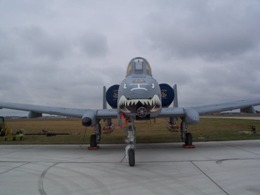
209	129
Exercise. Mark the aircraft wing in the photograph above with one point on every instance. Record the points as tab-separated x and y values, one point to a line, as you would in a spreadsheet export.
244	105
35	110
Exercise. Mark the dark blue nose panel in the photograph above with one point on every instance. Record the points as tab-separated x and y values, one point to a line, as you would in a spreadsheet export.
112	96
167	94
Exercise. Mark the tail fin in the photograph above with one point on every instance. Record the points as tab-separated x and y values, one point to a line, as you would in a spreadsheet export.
172	126
104	97
175	101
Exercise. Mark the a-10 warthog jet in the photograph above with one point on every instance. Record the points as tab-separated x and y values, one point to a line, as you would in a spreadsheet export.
138	97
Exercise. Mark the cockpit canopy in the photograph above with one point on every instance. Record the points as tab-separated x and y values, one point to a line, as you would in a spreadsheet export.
139	65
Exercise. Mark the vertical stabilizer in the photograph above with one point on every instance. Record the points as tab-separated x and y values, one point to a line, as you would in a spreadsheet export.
104	97
175	101
172	125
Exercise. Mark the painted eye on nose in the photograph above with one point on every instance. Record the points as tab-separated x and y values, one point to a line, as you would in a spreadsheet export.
125	86
153	85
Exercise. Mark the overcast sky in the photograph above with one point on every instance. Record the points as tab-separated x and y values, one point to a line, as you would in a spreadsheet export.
61	53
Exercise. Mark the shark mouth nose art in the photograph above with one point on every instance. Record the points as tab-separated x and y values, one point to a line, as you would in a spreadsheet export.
140	106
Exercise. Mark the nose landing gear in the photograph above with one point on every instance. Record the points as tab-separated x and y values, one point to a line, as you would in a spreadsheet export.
131	141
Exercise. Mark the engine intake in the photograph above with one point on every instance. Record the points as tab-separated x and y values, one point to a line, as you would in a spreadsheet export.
112	96
168	94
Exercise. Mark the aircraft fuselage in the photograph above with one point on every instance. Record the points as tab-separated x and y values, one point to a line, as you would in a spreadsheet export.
139	94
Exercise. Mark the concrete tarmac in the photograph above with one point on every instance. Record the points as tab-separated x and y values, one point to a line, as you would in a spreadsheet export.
210	168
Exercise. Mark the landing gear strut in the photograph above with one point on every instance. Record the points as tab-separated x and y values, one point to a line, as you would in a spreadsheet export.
186	136
95	138
131	141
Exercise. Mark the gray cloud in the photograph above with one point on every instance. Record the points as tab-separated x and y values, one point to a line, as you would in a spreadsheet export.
42	44
209	29
6	47
93	44
62	53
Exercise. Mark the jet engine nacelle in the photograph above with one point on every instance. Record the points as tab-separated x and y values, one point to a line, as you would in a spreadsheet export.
191	116
88	119
112	96
167	94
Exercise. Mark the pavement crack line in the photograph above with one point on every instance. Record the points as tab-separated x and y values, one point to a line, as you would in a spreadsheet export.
40	183
14	168
209	177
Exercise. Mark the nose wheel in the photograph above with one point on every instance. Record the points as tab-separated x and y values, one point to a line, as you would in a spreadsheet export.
130	152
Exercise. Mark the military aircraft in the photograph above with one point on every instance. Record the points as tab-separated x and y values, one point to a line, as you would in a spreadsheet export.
138	97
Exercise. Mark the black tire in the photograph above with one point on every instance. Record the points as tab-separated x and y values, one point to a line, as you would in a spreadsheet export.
93	140
188	139
131	157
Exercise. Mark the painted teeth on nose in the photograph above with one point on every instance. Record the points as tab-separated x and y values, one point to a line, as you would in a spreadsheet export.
155	101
